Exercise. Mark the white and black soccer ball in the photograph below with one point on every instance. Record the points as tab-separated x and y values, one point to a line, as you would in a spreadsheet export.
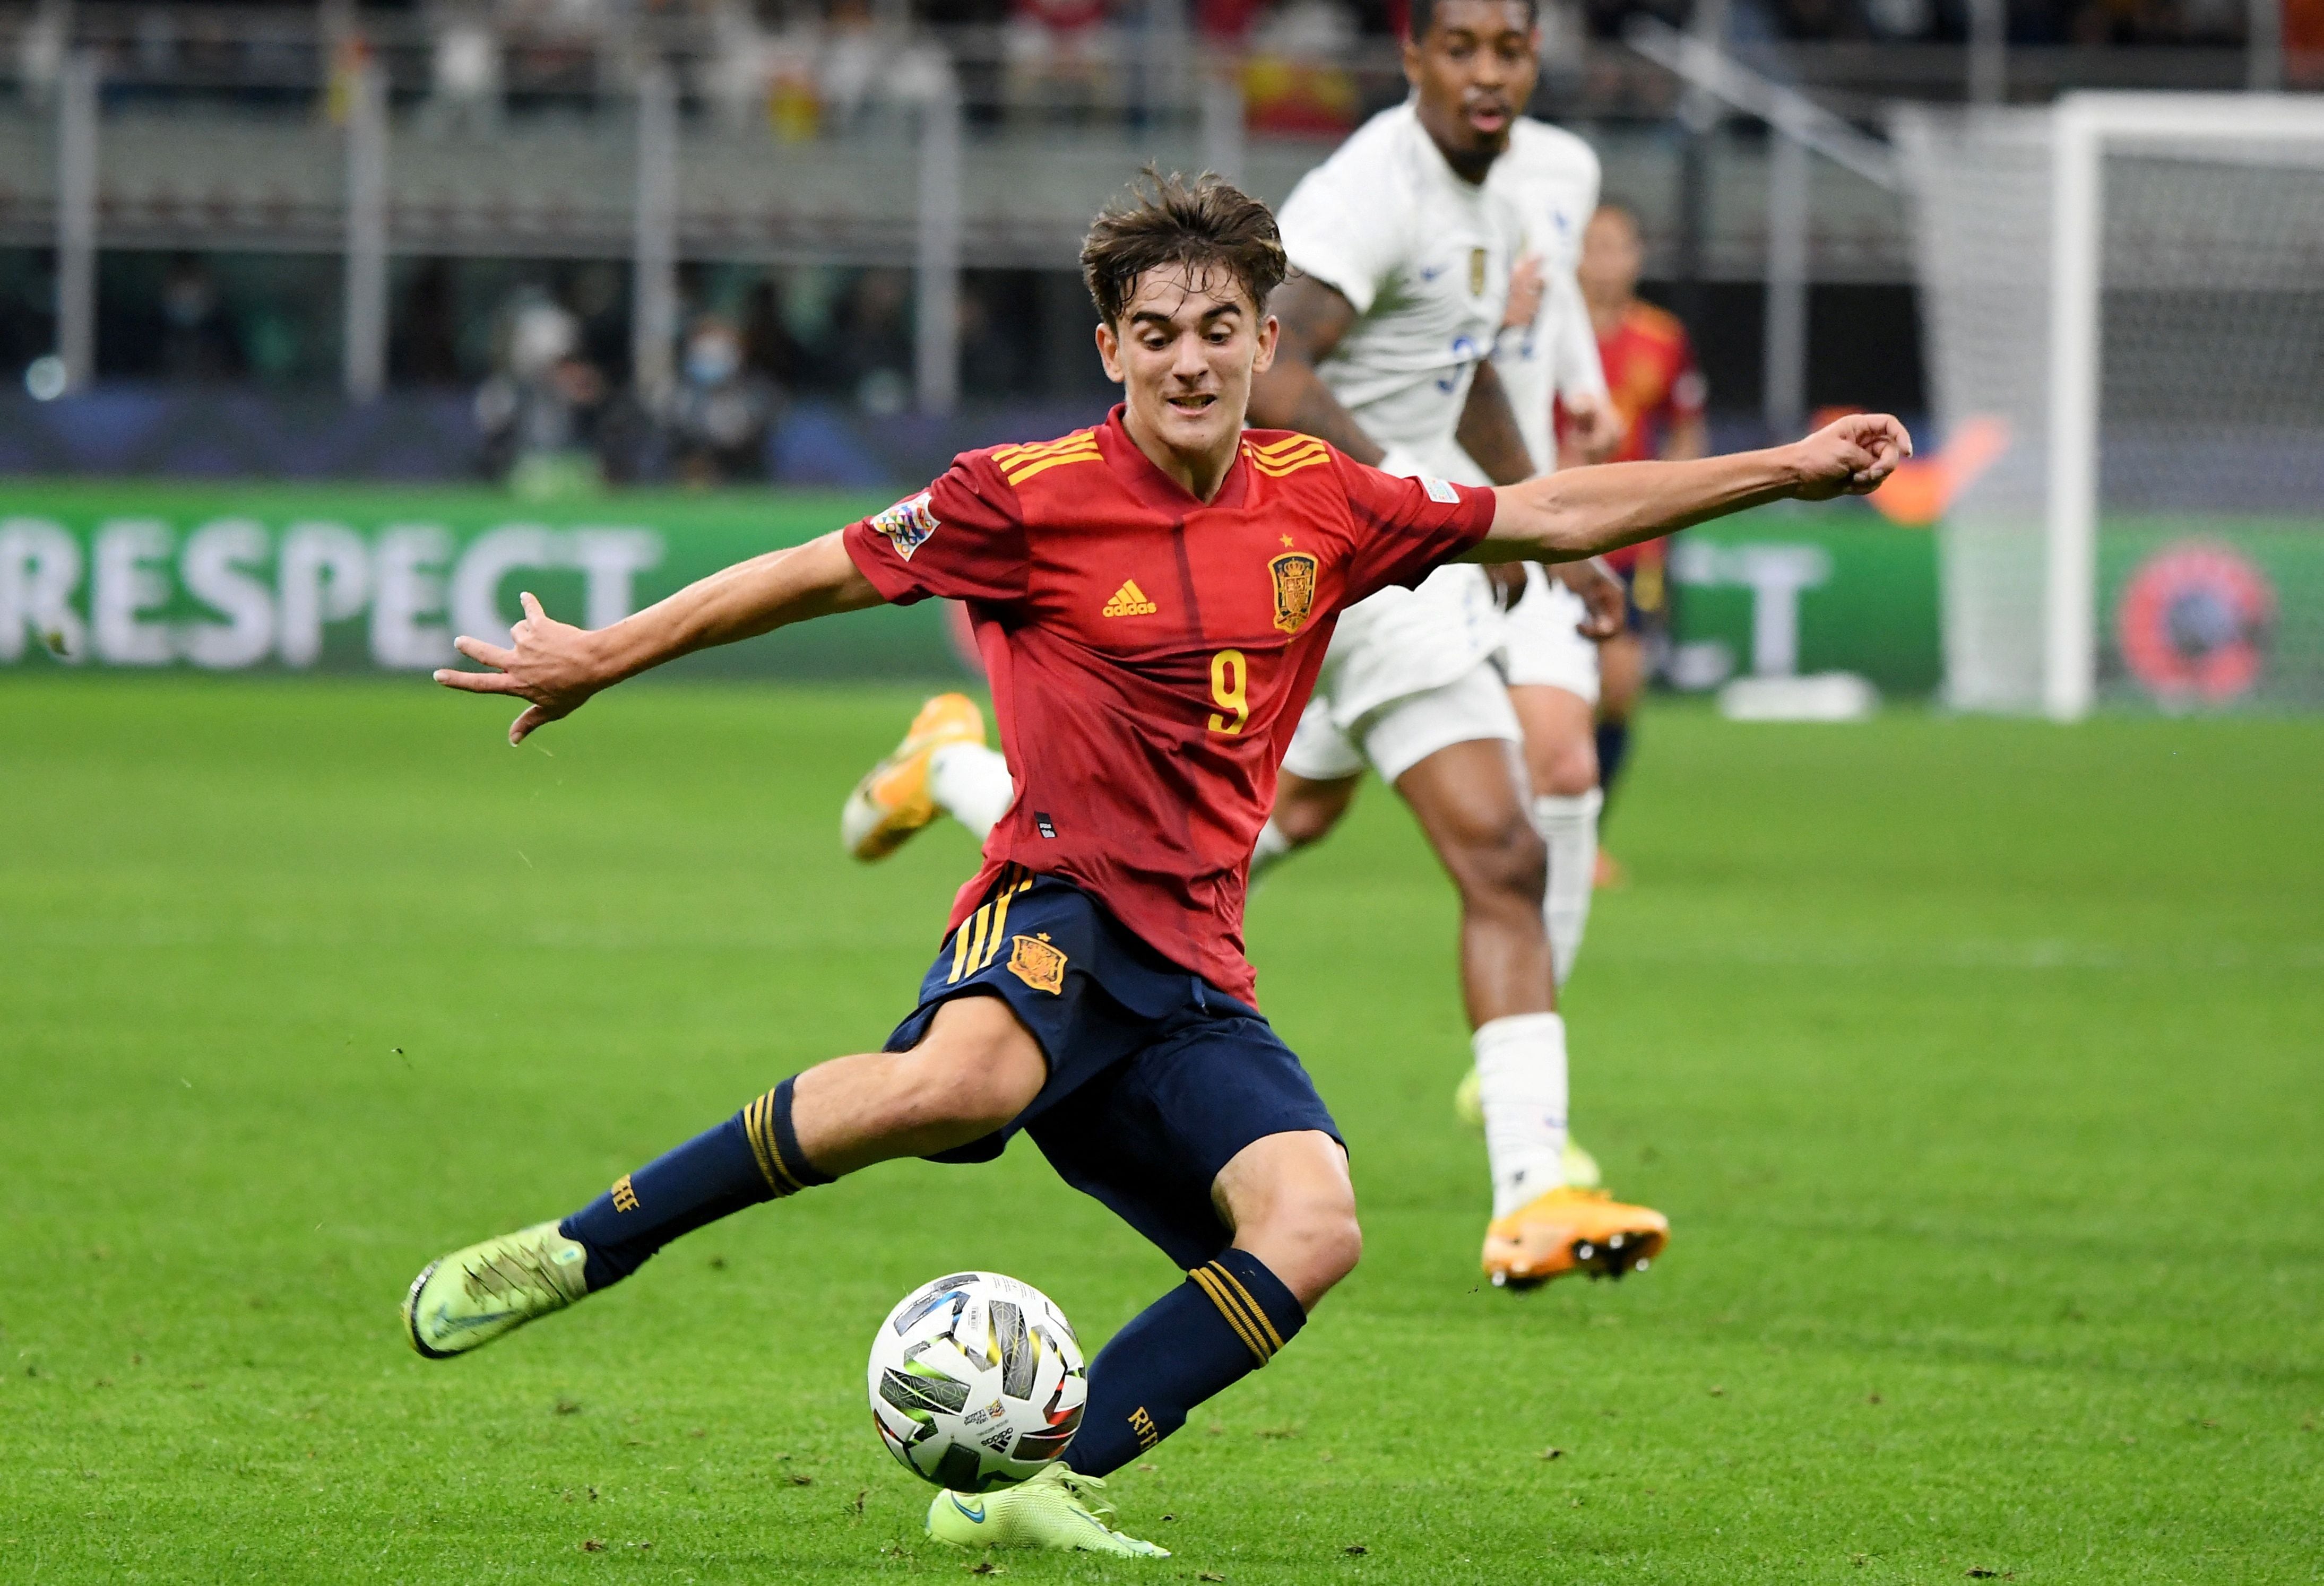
976	1382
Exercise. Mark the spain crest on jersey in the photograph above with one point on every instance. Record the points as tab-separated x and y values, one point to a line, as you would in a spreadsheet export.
908	524
1039	962
1294	589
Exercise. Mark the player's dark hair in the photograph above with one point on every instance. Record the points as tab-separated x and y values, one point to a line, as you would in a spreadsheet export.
1202	225
1421	16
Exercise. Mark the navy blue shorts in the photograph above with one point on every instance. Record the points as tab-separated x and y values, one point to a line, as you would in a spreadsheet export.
1156	1080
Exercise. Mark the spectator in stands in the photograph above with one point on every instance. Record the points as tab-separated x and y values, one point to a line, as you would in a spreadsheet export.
867	64
722	411
197	342
538	413
465	71
1295	78
1062	56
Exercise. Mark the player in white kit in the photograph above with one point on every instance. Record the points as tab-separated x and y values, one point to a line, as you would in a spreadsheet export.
1551	179
1402	246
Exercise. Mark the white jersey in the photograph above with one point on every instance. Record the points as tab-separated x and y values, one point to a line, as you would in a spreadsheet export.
1551	178
1425	259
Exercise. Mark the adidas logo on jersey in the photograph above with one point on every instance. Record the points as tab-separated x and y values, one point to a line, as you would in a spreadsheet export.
1130	601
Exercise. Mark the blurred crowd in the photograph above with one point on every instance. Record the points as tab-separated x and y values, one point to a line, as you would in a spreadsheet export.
801	67
561	395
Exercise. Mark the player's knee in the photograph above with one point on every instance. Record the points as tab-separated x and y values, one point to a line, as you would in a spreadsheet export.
1504	868
1310	1243
1336	1242
1564	769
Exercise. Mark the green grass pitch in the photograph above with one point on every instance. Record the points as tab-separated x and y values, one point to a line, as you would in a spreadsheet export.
1979	1065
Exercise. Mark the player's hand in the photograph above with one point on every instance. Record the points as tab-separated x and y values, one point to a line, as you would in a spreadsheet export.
1593	426
1851	456
553	667
1602	594
1526	289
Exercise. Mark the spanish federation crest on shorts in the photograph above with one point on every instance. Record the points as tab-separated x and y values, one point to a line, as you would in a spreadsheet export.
1039	963
908	524
1294	589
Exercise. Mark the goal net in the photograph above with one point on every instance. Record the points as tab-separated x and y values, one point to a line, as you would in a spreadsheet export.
2122	303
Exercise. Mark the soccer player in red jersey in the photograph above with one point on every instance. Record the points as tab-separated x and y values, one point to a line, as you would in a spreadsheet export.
1659	396
1092	988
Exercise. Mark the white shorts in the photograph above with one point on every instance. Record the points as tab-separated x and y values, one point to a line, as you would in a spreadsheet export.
1544	646
1401	733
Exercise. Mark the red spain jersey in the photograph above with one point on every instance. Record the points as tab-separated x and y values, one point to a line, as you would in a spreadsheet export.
1650	374
1150	653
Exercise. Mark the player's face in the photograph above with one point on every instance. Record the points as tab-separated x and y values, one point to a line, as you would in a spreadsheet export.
1473	71
1611	258
1184	352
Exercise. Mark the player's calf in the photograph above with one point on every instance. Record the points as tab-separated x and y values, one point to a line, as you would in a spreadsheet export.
1288	1200
976	1069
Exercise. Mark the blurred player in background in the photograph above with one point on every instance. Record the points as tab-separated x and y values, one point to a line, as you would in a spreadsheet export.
1382	334
1658	399
1548	358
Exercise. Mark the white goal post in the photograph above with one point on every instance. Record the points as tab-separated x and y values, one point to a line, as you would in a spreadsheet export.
2131	286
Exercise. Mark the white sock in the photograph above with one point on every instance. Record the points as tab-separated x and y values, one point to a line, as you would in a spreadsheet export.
973	783
1568	823
1271	846
1521	1081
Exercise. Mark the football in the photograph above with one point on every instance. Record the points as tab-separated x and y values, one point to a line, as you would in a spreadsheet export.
976	1382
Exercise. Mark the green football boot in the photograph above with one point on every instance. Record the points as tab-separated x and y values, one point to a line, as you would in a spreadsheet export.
466	1299
1055	1510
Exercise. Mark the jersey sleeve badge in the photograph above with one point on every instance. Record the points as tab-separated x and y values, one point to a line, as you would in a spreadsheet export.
1040	964
1294	589
908	524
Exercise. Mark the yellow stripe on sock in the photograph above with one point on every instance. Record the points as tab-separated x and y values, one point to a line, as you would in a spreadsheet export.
776	1149
1209	1284
758	1128
1258	1312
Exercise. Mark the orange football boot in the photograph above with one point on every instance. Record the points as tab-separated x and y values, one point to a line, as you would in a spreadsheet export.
1571	1230
893	801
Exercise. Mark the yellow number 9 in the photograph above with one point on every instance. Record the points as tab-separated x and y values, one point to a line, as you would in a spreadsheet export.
1229	673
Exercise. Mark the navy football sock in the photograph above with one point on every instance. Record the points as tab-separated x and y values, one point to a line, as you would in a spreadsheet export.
752	1157
1222	1324
1613	749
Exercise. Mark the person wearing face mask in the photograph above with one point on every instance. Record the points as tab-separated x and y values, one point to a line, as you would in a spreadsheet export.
721	410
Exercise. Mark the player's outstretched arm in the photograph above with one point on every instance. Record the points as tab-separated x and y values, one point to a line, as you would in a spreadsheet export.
1564	516
556	667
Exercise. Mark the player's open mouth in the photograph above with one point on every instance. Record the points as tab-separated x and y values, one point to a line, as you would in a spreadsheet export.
1193	404
1488	117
